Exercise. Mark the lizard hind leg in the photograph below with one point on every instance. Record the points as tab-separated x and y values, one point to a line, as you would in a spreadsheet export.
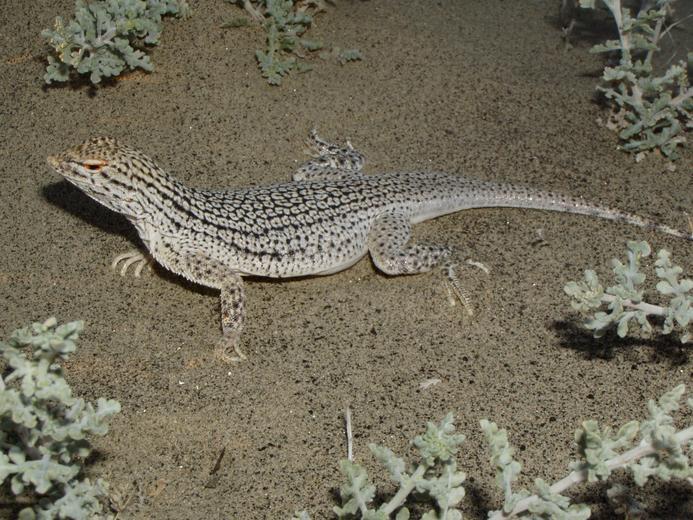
392	254
331	161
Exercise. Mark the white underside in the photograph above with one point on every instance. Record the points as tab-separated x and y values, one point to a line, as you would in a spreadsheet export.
346	264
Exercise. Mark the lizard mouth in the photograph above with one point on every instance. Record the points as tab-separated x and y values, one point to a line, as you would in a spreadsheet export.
54	161
62	167
58	163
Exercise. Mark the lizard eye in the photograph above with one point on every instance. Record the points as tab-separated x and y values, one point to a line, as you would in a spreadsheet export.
94	165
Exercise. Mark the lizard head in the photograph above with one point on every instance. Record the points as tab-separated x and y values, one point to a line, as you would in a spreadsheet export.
109	172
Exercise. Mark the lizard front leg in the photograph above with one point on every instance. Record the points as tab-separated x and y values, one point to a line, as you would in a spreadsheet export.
212	273
133	257
198	267
232	318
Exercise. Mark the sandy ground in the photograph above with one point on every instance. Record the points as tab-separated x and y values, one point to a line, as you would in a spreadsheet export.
481	88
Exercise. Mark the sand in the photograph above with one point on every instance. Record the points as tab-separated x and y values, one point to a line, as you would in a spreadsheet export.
486	89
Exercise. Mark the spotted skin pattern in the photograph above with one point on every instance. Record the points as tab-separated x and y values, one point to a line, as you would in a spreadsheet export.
329	217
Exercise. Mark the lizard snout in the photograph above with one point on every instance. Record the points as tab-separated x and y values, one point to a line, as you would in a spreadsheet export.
55	161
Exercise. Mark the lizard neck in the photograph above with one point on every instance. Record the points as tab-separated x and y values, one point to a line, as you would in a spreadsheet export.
163	199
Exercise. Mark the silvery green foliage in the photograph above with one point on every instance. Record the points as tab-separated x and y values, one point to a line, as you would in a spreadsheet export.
434	475
624	300
346	55
668	458
104	36
649	112
44	427
286	21
546	503
284	28
661	452
679	312
507	468
651	448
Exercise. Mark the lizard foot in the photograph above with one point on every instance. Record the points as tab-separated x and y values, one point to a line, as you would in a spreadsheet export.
331	161
457	289
316	146
133	257
225	346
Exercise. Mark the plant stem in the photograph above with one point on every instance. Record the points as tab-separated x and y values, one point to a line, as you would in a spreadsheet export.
655	39
626	60
404	490
647	308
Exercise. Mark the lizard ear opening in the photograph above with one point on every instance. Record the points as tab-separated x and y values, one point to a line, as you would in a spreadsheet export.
94	165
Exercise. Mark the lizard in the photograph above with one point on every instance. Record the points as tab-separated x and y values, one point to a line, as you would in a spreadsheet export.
325	220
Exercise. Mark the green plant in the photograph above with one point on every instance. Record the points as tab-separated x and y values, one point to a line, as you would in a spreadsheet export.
651	448
285	22
624	300
105	37
43	427
648	112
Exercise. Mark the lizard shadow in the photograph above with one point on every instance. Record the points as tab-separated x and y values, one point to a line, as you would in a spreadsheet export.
583	27
72	200
663	347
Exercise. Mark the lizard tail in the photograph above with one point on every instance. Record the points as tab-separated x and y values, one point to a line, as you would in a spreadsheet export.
631	218
520	197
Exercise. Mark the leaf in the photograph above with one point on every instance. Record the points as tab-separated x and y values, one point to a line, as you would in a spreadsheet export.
502	458
347	55
133	58
394	465
357	491
27	514
81	500
439	443
44	472
587	294
7	468
608	46
402	514
598	445
555	506
446	489
311	45
56	71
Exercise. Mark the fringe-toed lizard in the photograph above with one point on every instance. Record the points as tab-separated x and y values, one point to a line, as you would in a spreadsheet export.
329	217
